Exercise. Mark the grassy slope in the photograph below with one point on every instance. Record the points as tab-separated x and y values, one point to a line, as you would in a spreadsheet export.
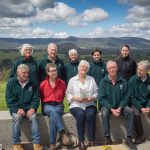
3	103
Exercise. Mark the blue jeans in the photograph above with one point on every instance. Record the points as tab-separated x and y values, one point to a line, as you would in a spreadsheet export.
54	112
16	125
88	115
126	112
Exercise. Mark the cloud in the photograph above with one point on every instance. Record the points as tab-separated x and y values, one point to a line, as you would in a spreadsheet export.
16	9
42	4
138	14
136	2
88	16
60	12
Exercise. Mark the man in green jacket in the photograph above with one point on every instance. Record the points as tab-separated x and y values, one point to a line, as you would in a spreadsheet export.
22	99
51	58
139	87
113	99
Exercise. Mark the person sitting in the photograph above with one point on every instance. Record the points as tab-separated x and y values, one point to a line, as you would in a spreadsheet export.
52	93
113	99
139	87
23	99
81	95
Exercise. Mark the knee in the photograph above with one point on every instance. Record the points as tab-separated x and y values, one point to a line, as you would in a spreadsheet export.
80	115
17	118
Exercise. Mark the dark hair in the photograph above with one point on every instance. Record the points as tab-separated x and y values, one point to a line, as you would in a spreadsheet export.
126	45
96	50
50	65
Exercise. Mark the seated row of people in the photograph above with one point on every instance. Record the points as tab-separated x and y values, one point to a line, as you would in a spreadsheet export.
113	95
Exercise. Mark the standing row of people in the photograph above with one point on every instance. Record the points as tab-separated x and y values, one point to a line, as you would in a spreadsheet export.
87	83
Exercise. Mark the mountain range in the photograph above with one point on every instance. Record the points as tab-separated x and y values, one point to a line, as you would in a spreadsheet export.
111	43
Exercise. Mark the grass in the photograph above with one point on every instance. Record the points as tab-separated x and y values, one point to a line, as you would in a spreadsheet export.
3	105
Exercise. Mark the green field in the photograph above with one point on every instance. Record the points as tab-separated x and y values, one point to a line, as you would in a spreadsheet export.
3	103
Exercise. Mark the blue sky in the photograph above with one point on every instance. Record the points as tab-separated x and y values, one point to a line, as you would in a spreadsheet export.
82	18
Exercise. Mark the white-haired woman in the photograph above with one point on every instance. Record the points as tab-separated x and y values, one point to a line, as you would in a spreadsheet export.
71	68
26	58
81	94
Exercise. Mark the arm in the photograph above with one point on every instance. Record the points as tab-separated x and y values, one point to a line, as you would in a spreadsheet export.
102	97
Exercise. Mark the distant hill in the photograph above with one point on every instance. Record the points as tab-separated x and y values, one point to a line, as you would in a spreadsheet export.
78	43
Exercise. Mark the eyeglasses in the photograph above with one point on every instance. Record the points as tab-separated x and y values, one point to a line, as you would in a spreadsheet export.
52	71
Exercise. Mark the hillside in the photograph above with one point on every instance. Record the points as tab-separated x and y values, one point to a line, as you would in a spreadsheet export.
79	43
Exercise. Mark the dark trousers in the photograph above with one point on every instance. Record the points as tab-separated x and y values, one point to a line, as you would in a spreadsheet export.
88	115
138	123
126	112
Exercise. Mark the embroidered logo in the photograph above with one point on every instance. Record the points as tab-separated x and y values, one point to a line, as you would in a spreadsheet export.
121	87
30	88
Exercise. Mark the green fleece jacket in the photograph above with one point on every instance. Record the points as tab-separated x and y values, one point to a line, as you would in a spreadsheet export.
97	71
42	71
31	63
71	70
113	96
140	92
21	98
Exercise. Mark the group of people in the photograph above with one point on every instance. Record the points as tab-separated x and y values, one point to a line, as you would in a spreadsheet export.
121	87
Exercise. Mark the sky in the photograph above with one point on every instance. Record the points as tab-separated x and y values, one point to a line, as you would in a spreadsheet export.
81	18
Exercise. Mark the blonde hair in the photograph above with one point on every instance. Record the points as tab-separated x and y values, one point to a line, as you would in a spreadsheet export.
73	51
24	47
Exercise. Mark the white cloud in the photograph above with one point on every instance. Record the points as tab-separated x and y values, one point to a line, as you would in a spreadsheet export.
61	35
88	16
60	12
94	15
97	32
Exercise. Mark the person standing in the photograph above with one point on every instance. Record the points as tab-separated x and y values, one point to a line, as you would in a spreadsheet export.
26	58
71	68
51	58
126	65
139	87
23	99
113	99
97	66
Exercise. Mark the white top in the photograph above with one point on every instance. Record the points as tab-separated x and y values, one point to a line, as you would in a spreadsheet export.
77	88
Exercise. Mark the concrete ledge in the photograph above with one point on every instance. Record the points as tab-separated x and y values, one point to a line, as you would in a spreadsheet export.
118	128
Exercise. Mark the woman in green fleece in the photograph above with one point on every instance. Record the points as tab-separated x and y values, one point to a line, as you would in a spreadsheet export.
139	86
97	66
71	69
22	99
113	98
26	58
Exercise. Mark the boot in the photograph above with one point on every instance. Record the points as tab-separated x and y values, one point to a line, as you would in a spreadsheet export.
17	147
37	147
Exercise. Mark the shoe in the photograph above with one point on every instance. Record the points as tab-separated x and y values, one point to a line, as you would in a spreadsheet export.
139	139
17	147
52	147
37	147
108	140
130	144
82	146
90	144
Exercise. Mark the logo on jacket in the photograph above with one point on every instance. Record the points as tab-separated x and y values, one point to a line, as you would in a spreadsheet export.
121	87
30	88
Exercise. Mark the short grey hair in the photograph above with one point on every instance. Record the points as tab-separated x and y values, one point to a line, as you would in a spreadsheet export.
84	62
52	44
24	47
73	51
111	62
144	63
22	67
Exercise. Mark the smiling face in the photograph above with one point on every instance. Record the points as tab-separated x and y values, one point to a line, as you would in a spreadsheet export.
96	56
52	51
28	52
52	72
125	51
23	75
112	69
73	57
141	71
83	69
